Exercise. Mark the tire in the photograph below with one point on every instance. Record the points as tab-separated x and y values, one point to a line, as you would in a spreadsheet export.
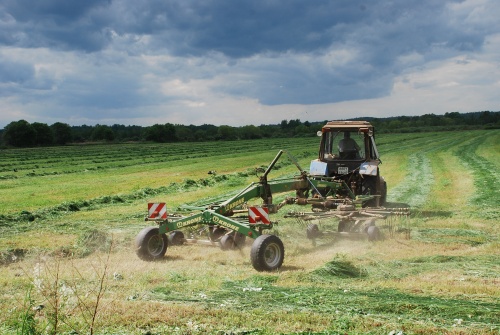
232	241
342	226
176	238
373	233
312	231
217	233
227	242
383	191
150	244
369	187
239	240
267	253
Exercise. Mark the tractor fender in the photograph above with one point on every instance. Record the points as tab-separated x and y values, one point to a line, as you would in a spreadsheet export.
369	168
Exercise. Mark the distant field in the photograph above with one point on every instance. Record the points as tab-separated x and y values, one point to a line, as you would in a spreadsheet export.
63	207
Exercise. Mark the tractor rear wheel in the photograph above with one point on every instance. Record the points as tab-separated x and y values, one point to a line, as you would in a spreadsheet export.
150	244
383	191
267	253
369	187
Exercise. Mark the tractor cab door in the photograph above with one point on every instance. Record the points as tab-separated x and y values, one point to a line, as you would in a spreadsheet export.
343	150
373	148
342	145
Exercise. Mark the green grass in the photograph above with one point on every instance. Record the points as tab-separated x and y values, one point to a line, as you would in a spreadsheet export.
67	205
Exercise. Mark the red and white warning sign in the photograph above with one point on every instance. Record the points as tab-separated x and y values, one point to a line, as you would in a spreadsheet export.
157	210
258	215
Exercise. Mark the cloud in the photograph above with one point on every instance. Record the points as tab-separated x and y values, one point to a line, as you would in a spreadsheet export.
125	61
54	24
15	72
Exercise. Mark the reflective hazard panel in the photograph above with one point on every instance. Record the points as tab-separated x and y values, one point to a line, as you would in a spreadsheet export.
157	210
258	215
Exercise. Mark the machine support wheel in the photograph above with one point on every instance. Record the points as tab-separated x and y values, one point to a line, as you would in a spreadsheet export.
232	241
150	244
217	233
227	242
343	226
373	233
176	238
267	253
312	231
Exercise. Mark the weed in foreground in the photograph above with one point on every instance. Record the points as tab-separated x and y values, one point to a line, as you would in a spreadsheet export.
26	323
55	304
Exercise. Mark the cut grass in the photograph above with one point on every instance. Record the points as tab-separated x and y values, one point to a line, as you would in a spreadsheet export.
444	279
49	190
486	178
415	188
453	185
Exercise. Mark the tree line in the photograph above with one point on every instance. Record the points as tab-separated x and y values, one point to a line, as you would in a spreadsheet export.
24	134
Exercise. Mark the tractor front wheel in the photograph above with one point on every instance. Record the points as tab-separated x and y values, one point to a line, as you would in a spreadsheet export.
267	253
150	244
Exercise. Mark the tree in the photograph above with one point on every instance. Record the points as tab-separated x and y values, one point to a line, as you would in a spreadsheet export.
284	124
161	133
20	134
395	124
44	135
81	133
487	117
103	132
226	133
268	131
250	132
302	130
184	133
62	133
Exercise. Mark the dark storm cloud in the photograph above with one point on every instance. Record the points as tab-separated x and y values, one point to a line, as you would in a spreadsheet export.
271	51
378	32
236	28
245	28
59	24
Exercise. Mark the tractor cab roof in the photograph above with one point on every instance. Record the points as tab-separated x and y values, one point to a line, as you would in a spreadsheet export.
347	125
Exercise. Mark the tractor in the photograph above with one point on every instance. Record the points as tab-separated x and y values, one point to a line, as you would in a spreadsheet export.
348	152
343	183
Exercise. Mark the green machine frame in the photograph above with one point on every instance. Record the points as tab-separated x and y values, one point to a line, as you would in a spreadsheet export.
267	252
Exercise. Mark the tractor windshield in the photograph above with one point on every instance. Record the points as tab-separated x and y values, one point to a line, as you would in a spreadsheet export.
342	145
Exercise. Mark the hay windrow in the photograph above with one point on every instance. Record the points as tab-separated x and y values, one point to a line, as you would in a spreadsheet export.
70	204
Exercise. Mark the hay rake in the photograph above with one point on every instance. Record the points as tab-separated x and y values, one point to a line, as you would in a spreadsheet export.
228	223
341	183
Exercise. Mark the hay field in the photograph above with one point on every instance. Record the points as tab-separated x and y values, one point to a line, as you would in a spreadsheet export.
69	216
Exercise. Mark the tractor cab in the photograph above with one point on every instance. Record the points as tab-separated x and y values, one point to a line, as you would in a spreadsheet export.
345	145
348	152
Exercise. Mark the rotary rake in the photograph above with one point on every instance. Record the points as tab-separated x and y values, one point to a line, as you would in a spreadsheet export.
230	222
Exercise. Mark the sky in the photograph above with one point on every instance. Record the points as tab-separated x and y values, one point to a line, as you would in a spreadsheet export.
245	62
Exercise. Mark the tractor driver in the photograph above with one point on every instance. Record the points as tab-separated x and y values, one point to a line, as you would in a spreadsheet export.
348	148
